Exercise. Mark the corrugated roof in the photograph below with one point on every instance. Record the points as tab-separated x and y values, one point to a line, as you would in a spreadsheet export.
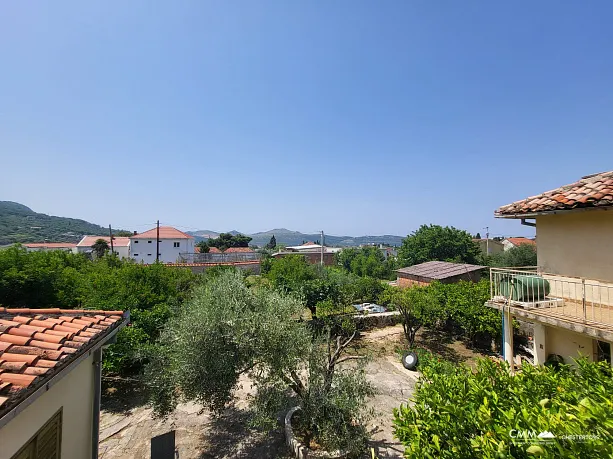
37	344
166	232
591	191
118	241
439	269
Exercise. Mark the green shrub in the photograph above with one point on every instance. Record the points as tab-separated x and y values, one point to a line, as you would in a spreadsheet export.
429	363
489	413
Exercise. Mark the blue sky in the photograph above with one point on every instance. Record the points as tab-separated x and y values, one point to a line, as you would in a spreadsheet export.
355	117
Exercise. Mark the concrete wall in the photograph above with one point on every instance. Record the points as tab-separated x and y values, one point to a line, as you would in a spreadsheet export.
567	344
74	393
144	249
576	244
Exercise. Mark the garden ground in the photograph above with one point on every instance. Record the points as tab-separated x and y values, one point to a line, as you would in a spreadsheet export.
127	424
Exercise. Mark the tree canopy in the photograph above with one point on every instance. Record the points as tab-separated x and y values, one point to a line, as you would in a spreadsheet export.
100	247
224	241
434	242
228	330
522	255
366	261
272	243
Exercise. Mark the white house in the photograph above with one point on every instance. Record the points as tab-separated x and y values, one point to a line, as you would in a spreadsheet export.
47	246
172	243
312	247
512	242
121	245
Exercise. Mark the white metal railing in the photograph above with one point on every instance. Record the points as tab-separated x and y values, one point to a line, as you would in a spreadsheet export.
586	300
233	257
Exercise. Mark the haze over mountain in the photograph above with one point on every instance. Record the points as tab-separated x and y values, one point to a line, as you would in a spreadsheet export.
289	237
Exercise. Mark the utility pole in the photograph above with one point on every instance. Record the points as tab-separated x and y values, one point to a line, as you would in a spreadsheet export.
322	248
157	243
111	238
487	240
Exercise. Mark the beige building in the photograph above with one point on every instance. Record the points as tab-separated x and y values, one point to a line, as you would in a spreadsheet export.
50	363
489	246
569	297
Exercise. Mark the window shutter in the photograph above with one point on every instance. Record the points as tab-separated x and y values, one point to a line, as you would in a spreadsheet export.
46	444
48	439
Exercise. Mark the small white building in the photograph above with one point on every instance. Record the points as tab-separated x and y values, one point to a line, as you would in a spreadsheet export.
312	247
47	246
512	242
121	245
172	243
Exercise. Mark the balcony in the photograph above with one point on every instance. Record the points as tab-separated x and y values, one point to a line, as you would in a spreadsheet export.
581	305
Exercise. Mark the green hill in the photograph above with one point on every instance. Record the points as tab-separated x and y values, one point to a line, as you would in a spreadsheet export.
19	223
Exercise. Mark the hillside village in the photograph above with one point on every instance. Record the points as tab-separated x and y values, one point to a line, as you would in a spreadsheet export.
437	310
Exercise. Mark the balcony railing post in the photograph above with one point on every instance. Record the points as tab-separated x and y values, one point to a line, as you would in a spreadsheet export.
583	303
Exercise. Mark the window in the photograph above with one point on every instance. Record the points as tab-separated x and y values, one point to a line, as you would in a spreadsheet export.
177	244
136	254
136	242
46	443
148	254
149	242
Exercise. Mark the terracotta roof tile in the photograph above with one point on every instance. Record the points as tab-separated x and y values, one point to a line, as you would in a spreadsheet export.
166	232
14	367
591	191
36	371
21	340
45	345
35	344
238	250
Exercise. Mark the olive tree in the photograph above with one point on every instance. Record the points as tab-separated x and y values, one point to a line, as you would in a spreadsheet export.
228	330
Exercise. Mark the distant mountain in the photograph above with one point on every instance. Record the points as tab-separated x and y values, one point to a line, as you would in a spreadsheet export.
288	237
19	223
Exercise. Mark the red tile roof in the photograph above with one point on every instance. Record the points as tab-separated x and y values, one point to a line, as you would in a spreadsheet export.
118	241
37	344
50	245
520	240
166	232
591	191
211	250
238	250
